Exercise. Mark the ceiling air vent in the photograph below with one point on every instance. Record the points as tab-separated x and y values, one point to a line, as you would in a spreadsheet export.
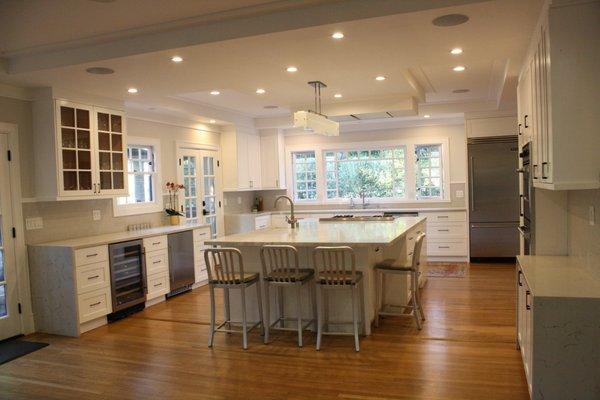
100	70
461	90
450	20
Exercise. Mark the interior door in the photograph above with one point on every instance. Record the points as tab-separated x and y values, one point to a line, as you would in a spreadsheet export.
200	199
10	321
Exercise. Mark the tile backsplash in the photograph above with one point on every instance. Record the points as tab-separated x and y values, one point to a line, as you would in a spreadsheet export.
584	239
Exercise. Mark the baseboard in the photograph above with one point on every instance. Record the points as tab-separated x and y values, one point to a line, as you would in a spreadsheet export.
199	284
155	301
93	324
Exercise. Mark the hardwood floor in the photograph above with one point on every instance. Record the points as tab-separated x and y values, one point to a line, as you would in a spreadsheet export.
466	350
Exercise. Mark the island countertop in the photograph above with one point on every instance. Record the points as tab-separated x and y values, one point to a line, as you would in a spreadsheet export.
311	232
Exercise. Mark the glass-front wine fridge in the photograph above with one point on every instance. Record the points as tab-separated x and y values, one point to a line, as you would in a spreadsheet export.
128	274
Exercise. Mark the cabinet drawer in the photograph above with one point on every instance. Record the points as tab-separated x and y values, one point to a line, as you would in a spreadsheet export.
448	216
200	272
94	304
457	230
447	247
93	277
91	255
200	235
158	285
157	261
262	222
155	243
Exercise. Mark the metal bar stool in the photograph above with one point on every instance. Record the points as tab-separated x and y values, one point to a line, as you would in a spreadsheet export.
225	267
280	268
336	269
391	266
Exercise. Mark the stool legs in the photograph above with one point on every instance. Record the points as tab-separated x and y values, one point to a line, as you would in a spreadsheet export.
244	322
378	289
211	335
227	307
419	298
355	316
319	316
267	318
415	295
260	309
299	313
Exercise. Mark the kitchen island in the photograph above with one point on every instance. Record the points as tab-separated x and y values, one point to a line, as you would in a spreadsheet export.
372	242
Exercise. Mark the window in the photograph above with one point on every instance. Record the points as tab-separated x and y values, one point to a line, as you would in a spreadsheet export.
374	173
143	179
304	167
428	171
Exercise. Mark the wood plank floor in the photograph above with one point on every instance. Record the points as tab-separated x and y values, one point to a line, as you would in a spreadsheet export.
465	351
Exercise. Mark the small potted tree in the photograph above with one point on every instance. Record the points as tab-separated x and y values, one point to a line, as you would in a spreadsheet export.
173	209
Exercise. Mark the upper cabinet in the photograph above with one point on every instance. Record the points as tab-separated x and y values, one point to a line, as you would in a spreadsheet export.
241	160
79	151
272	160
558	97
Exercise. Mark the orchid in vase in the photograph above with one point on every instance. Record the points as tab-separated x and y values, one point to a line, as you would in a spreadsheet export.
173	209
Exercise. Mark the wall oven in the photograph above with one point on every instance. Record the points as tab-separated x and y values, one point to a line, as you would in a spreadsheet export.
128	275
526	197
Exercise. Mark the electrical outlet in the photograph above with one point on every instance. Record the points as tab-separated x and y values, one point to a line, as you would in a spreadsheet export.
34	223
460	194
592	216
239	200
96	215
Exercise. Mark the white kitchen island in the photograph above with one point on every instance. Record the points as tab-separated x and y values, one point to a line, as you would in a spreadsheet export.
372	242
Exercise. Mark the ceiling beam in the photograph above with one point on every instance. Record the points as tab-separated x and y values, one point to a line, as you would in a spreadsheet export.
272	17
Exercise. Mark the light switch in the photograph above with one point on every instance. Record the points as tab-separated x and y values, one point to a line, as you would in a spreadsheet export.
34	223
460	194
96	215
592	216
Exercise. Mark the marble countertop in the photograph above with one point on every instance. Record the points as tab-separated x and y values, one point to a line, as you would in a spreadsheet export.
315	233
350	211
559	276
117	237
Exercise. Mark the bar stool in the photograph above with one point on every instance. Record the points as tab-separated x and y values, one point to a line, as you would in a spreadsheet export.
336	269
280	268
225	267
391	266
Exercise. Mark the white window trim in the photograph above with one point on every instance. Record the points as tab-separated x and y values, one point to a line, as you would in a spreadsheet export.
410	179
121	210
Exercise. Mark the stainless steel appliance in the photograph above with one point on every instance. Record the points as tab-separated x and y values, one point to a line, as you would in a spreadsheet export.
526	229
356	218
181	262
128	276
493	197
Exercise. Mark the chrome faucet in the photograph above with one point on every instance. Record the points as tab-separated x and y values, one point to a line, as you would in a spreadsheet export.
292	220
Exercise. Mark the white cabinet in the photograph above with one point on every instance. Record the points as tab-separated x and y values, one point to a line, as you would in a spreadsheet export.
79	150
200	235
525	325
262	222
557	95
272	161
241	160
157	266
447	235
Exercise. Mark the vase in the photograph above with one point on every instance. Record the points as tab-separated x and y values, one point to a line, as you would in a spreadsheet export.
174	219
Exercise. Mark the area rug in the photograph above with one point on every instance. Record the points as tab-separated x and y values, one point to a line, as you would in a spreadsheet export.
15	348
446	270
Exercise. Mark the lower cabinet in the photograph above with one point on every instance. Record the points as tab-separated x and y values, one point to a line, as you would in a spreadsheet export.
525	325
446	234
157	266
200	235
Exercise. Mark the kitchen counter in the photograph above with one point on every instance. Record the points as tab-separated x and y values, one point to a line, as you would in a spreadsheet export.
559	276
117	237
352	211
315	233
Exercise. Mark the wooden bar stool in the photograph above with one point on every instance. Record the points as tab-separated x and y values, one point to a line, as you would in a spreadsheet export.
225	267
281	269
336	269
391	266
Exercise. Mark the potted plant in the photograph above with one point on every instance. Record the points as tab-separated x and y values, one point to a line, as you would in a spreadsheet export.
173	210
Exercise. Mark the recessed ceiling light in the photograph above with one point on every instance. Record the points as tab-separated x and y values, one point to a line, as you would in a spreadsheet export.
337	95
461	90
100	71
261	91
426	116
380	78
456	51
291	68
212	121
176	59
215	92
338	35
270	107
450	20
459	68
132	90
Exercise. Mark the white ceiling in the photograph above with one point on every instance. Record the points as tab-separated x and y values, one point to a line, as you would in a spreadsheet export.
494	42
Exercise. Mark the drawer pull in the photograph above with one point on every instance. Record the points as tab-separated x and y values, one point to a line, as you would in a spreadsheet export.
442	216
95	304
410	254
443	230
93	277
202	234
443	247
91	255
157	262
155	243
158	284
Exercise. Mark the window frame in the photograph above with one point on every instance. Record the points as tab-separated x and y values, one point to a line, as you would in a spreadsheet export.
293	178
409	143
441	167
120	210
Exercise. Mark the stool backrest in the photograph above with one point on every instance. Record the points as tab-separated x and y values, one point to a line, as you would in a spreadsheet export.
281	262
224	265
335	265
416	258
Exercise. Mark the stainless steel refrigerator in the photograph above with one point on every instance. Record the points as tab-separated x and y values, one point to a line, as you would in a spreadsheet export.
493	197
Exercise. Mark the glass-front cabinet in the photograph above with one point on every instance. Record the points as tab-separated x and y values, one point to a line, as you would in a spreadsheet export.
91	151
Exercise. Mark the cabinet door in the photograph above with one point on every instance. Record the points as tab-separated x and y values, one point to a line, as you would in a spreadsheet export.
254	157
76	158
242	161
111	152
269	161
546	168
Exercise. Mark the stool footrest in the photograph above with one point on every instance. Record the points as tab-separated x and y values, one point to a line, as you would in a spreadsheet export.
289	319
220	327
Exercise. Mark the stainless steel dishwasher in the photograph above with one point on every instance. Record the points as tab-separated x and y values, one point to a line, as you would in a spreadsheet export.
181	262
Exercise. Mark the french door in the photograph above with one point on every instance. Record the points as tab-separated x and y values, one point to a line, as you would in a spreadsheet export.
200	200
10	321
